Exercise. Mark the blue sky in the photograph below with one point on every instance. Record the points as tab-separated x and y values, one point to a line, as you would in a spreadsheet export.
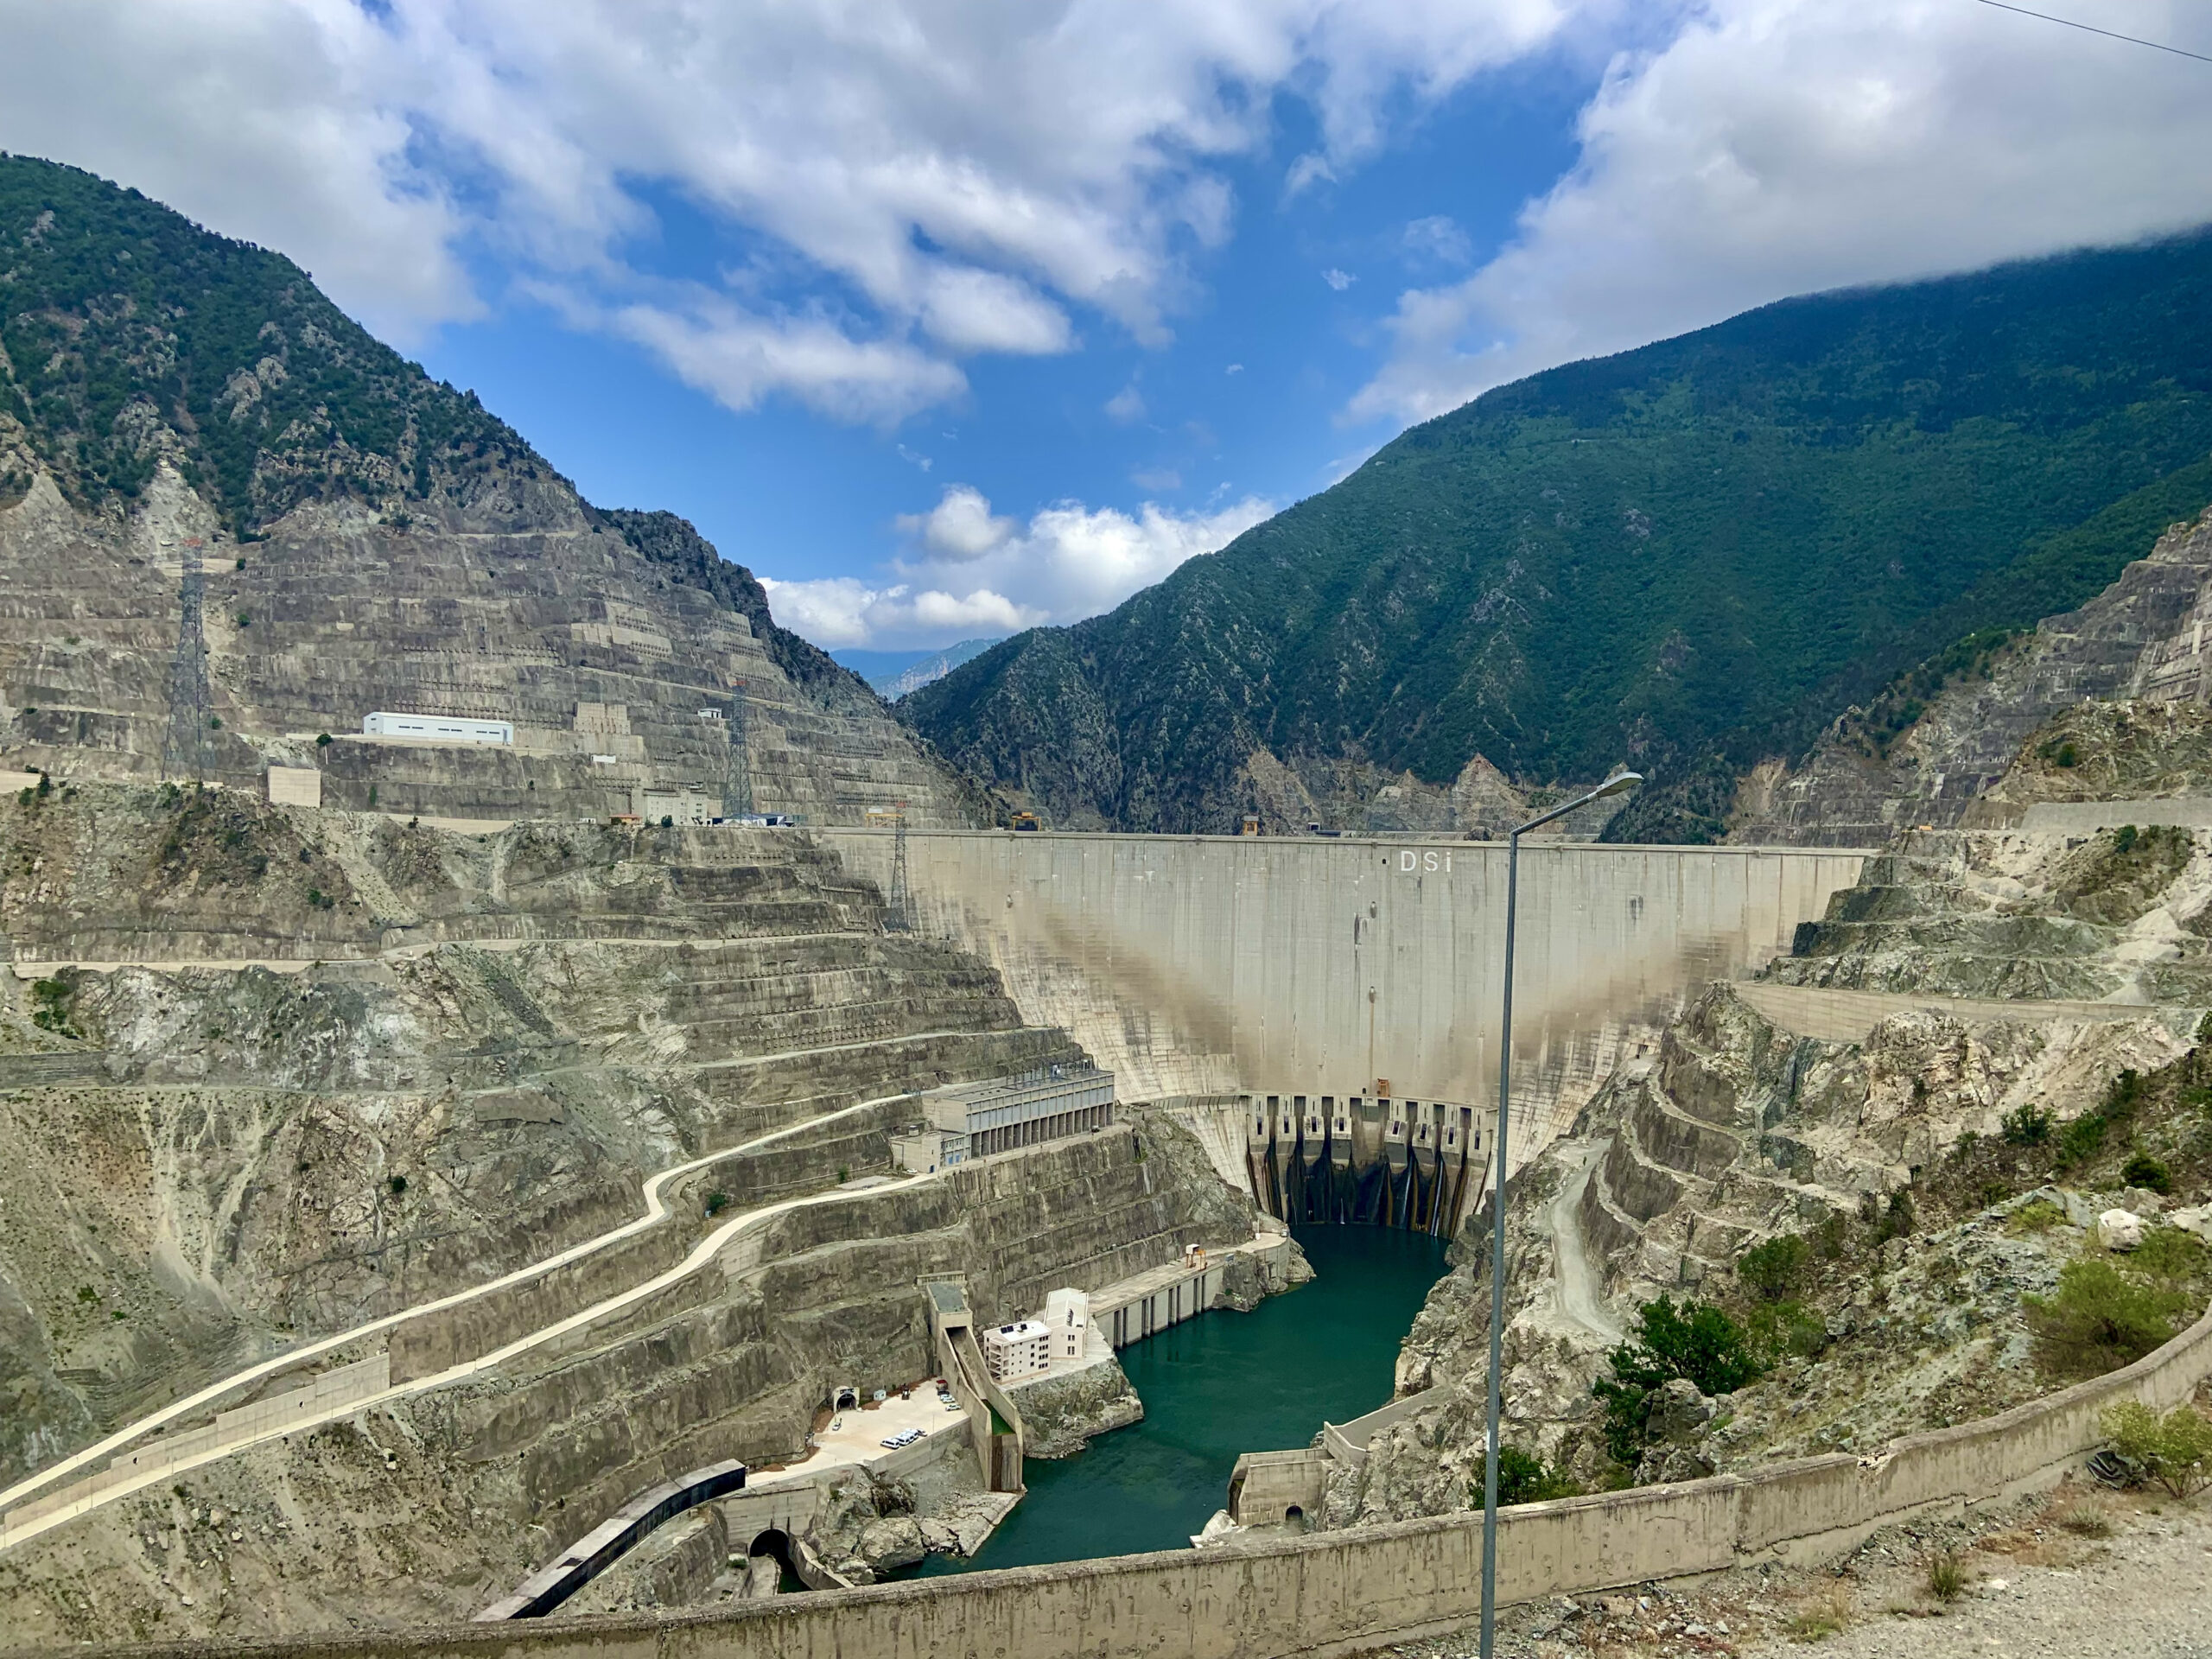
1243	401
951	316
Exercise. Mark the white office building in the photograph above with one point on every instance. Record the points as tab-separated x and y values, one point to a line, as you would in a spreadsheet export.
1017	1350
1067	1318
438	729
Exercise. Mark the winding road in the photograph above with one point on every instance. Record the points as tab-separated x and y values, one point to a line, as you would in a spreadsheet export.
1577	1295
14	1531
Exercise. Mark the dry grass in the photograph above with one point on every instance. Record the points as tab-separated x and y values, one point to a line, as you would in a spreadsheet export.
1826	1612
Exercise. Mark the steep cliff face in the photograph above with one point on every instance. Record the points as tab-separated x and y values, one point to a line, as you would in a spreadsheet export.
503	1036
1694	556
231	522
2142	638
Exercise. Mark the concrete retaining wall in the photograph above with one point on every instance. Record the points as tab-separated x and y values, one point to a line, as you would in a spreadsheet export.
1333	1593
2087	817
1203	965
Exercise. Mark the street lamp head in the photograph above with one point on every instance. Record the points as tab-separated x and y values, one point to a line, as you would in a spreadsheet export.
1616	784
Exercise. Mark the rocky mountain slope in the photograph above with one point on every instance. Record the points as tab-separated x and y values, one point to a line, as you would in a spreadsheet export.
1927	750
503	1037
204	1163
1901	1225
202	459
1694	556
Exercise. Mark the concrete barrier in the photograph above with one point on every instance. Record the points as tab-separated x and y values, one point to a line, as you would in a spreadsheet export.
332	1390
1198	966
1339	1592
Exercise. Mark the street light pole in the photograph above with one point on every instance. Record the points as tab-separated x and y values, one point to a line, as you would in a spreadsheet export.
1612	785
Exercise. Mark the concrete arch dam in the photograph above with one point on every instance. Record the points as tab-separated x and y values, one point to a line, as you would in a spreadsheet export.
1296	992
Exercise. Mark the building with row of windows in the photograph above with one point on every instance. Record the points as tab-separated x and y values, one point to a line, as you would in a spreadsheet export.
974	1119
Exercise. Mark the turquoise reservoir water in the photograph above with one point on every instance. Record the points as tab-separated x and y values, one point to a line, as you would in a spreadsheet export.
1216	1386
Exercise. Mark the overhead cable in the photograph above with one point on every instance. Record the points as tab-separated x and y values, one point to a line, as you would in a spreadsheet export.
2091	28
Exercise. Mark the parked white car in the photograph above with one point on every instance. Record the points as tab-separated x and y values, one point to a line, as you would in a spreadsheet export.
903	1437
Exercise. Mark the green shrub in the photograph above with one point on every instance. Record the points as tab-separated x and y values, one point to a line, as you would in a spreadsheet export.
2170	1256
717	1202
1776	1268
2123	839
1695	1340
2175	1449
2146	1171
1779	1329
397	1183
2037	1216
2102	1318
1521	1479
1897	1220
322	740
2027	1125
53	1004
2081	1139
1947	1579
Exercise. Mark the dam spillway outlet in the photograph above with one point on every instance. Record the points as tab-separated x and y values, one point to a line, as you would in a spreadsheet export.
1366	1160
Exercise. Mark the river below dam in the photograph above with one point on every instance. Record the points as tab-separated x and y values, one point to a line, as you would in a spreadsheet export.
1217	1386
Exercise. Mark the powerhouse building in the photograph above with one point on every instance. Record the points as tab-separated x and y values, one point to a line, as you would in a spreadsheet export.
974	1119
437	728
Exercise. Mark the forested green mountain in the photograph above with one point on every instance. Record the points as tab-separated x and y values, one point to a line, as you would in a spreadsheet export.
1690	556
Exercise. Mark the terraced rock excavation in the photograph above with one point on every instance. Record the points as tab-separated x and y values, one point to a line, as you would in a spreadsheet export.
411	1168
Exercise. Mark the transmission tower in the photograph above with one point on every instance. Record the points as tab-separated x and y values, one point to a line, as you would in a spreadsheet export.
898	915
737	780
184	744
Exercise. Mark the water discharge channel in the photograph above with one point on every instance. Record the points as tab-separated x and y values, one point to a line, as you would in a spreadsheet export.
1215	1387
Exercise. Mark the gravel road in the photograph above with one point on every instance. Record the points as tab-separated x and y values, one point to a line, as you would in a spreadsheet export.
2080	1574
2146	1593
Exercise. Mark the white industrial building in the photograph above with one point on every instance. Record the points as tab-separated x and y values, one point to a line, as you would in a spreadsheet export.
974	1119
926	1149
438	729
1017	1350
1067	1319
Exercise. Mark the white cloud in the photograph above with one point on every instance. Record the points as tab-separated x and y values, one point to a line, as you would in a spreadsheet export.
738	359
929	182
982	311
1437	237
977	572
1774	147
960	528
837	611
1126	405
1339	280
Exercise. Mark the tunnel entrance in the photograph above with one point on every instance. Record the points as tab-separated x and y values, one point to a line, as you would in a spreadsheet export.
772	1551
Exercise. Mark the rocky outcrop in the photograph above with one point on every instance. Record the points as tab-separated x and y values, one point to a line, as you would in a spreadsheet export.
2142	638
614	665
2120	915
1063	1411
